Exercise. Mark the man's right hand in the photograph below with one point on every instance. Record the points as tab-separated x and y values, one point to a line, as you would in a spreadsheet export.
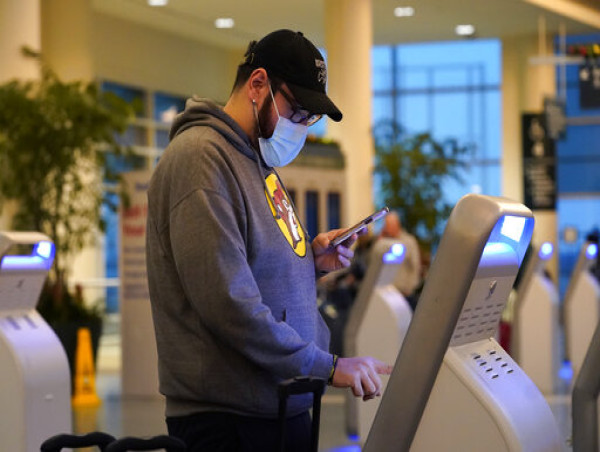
361	375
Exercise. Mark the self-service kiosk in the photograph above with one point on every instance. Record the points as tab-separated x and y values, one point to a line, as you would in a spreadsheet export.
35	386
376	327
453	387
535	343
581	307
584	406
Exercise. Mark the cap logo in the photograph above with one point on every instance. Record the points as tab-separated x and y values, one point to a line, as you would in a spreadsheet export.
322	75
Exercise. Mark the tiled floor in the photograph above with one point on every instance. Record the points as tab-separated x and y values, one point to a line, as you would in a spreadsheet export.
143	417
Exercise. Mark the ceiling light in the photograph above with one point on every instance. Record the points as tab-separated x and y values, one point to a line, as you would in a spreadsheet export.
157	2
465	30
224	22
404	11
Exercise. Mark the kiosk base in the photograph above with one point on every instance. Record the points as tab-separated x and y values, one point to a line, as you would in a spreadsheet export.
35	393
482	400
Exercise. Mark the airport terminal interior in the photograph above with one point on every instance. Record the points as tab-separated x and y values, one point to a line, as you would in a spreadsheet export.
503	95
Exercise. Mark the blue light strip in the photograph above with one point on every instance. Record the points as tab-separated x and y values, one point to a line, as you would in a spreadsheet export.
40	259
22	263
492	248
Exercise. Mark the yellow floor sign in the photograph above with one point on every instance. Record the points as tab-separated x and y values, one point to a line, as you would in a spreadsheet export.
85	374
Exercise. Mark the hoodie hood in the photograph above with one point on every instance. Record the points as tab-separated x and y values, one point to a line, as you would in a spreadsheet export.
207	113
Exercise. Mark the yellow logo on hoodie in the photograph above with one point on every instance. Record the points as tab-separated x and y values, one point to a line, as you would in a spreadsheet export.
285	215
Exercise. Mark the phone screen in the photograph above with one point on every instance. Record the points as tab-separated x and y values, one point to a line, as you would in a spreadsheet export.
358	226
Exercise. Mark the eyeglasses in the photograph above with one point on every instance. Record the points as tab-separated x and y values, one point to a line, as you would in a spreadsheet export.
299	114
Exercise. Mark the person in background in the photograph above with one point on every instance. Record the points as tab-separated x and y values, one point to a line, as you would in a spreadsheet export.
232	271
408	278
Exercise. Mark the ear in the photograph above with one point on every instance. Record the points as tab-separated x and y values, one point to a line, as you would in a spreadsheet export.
258	86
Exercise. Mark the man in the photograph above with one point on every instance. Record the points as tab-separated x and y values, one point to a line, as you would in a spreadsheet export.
409	276
231	270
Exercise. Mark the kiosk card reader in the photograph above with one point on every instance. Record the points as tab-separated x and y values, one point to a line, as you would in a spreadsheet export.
535	344
453	387
35	391
581	307
376	327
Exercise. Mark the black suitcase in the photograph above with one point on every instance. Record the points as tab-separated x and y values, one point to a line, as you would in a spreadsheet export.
301	385
108	443
57	442
169	443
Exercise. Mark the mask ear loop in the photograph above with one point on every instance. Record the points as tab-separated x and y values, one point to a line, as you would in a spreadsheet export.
274	103
267	192
255	109
260	170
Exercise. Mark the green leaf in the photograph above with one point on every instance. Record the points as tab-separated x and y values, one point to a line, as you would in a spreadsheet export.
412	170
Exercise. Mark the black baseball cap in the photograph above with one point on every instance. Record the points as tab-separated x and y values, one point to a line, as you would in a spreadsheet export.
289	56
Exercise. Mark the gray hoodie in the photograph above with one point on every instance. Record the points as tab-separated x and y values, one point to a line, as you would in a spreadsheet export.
232	285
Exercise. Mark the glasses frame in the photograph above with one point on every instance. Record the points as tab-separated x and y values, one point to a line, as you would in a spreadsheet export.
299	114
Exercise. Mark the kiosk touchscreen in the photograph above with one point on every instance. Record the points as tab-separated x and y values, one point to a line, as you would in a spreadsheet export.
35	393
453	387
581	307
535	344
376	327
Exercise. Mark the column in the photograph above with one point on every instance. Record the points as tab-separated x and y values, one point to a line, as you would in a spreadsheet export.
19	26
348	41
524	87
66	28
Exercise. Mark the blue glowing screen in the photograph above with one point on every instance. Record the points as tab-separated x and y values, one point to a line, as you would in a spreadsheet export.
40	258
546	250
592	251
395	254
512	227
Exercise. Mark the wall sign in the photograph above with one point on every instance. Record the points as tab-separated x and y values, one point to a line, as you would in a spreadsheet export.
539	163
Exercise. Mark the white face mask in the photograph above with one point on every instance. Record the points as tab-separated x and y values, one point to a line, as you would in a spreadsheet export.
286	142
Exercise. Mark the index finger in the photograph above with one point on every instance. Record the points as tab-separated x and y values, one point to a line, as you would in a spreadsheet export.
383	368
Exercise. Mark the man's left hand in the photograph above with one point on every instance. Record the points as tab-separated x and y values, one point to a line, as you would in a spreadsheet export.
328	258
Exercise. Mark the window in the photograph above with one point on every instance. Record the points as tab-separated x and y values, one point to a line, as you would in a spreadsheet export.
451	90
312	212
148	136
166	107
333	210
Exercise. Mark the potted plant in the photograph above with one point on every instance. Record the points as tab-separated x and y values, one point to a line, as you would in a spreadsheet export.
54	141
411	170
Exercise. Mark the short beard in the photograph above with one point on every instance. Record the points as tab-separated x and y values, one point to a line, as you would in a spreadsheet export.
264	115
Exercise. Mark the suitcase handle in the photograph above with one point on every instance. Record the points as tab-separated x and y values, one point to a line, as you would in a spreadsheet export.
169	443
301	385
57	442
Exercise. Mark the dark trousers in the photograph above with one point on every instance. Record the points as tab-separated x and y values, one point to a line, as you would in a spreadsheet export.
226	432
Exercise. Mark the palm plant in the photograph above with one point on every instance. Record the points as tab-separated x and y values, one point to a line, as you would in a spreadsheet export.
411	171
54	138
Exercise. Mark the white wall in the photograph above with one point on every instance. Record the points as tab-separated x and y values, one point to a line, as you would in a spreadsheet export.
133	54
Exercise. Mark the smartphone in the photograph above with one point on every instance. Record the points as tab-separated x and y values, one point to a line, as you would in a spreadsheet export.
358	226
